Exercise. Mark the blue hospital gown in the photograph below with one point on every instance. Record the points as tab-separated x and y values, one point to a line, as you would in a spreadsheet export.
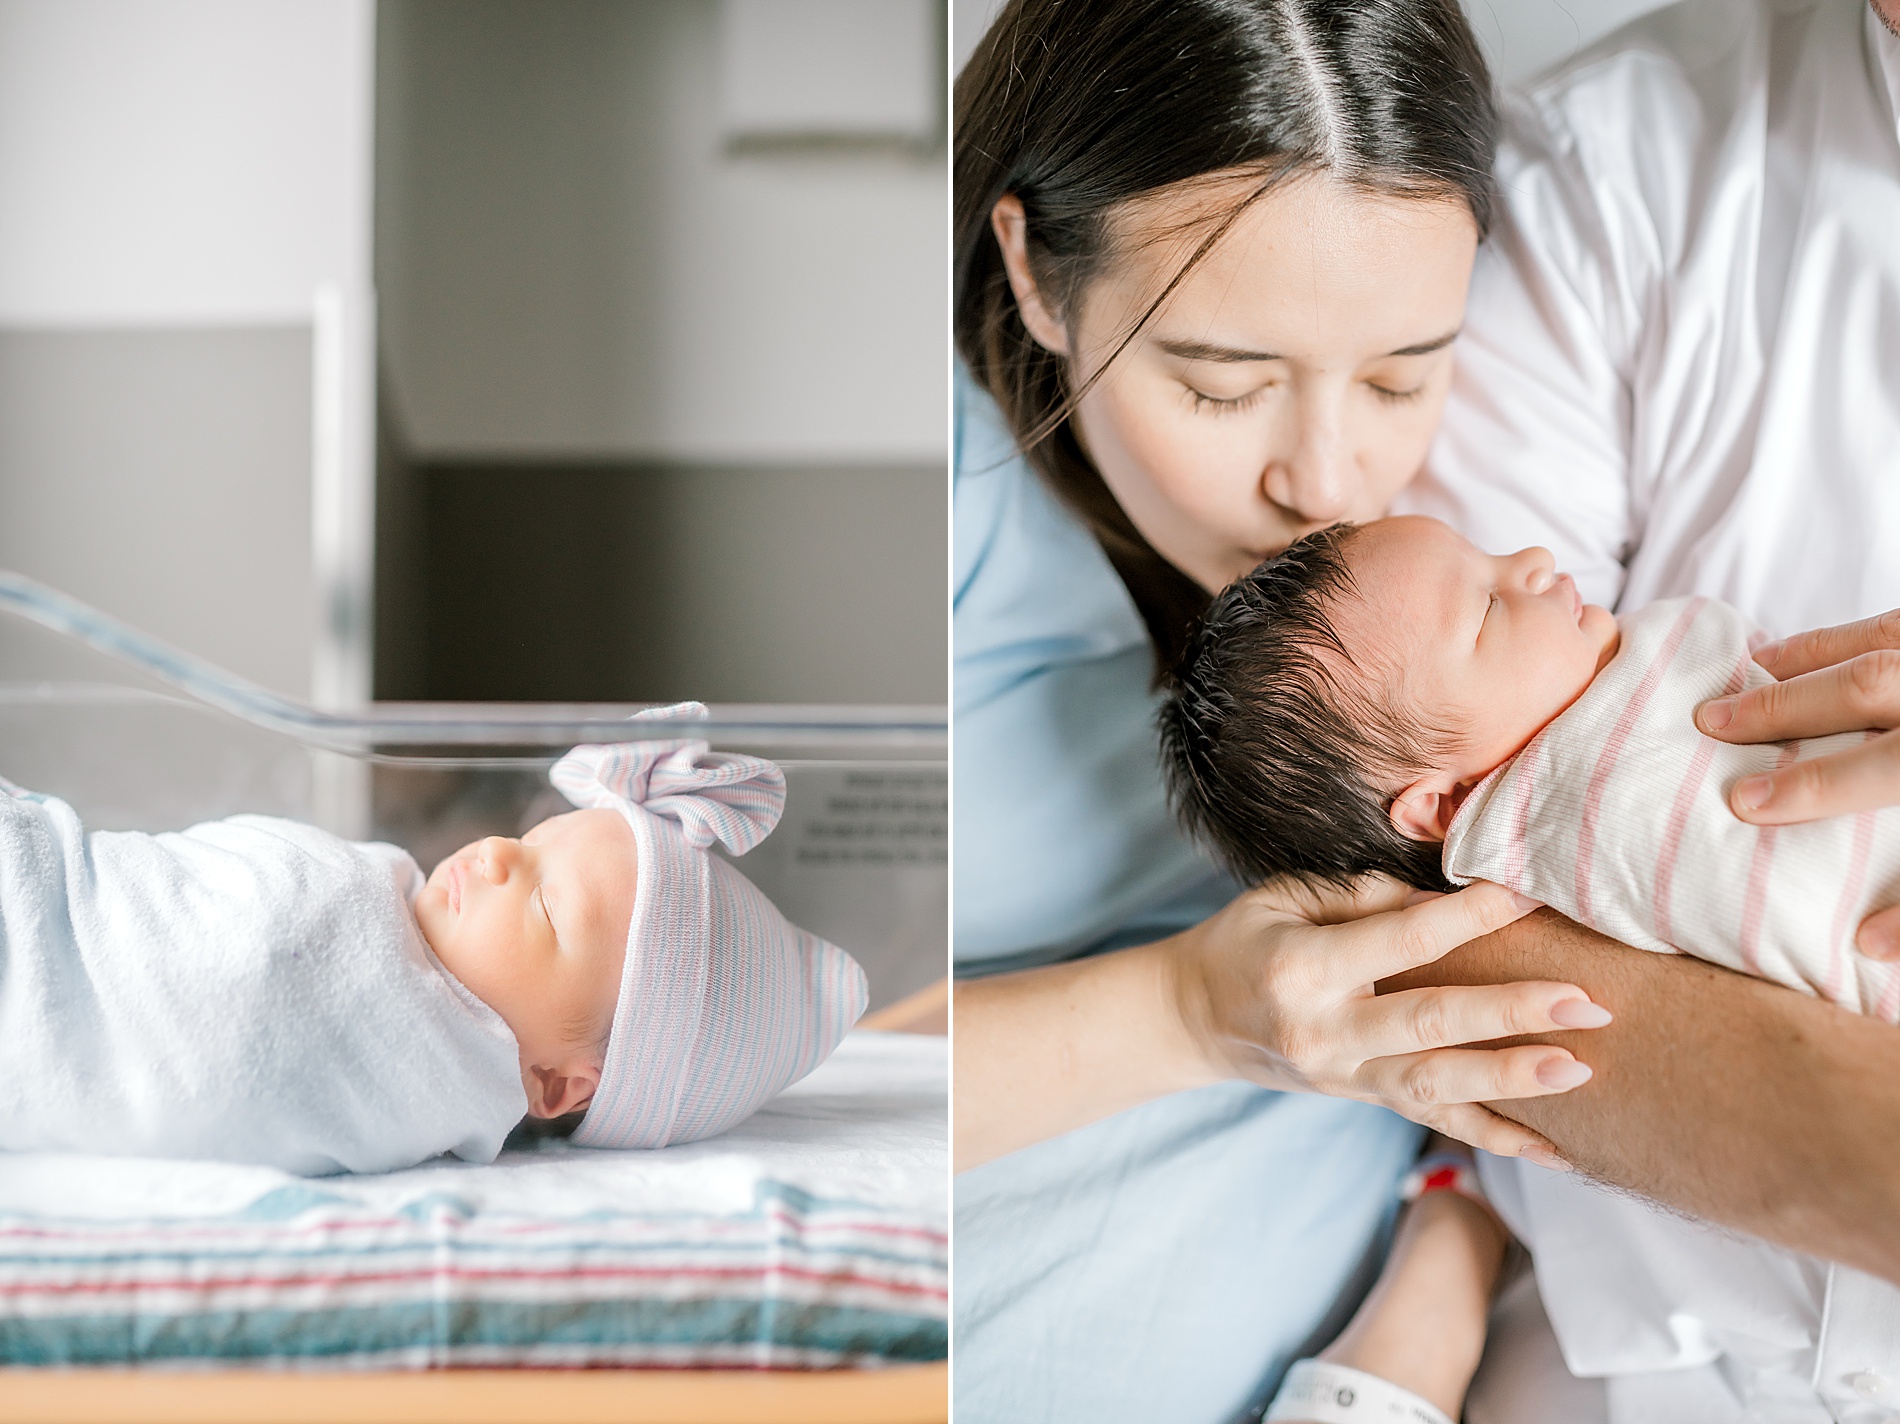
1168	1263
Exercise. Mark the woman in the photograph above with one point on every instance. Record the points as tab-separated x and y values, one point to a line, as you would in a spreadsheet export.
1207	288
1066	607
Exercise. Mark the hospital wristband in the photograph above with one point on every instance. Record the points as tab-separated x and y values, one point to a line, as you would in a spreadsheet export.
1444	1172
1320	1392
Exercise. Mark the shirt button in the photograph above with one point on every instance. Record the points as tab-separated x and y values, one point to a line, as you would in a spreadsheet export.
1867	1384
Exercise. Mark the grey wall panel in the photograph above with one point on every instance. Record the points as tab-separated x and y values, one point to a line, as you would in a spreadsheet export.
164	476
572	263
756	584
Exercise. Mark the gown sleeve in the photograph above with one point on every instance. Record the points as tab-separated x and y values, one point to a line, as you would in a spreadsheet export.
1064	838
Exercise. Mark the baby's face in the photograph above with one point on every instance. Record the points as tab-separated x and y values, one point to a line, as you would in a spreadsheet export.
537	929
1496	645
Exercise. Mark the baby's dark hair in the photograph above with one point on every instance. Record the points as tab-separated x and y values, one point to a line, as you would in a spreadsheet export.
1278	758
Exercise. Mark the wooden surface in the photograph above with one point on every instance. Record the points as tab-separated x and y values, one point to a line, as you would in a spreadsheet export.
914	1394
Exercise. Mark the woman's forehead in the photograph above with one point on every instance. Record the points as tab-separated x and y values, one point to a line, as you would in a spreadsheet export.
1311	260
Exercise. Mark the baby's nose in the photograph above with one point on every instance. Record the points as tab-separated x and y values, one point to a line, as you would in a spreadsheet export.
1537	566
497	855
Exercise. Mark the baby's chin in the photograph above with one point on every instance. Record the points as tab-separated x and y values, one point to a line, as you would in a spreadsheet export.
431	909
1600	624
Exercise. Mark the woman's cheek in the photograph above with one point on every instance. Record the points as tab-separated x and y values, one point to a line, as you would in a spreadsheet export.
1392	463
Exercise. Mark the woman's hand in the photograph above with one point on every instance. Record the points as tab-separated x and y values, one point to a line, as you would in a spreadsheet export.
1841	679
1279	988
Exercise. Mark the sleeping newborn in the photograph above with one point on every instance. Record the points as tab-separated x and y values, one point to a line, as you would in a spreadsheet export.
256	990
1388	698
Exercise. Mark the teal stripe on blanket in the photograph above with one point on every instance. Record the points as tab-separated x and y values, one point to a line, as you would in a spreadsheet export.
442	1329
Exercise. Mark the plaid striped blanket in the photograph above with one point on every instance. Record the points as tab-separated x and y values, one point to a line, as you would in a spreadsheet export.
811	1236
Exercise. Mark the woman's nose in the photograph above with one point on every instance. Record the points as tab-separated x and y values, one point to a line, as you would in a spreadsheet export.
1314	477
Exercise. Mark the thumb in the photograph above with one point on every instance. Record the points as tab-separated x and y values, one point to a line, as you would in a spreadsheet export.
1879	935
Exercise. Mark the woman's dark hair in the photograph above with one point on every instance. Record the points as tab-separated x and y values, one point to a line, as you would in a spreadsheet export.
1077	106
1282	751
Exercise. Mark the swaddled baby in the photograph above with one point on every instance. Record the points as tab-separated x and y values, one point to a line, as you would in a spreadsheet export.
256	990
1388	698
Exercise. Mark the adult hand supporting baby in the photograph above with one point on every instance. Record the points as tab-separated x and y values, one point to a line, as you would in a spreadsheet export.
1840	679
1278	989
1306	1015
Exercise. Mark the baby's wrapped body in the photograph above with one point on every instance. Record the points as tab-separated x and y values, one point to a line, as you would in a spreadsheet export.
250	990
1616	814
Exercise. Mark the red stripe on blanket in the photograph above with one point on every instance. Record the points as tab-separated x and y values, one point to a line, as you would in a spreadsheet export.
1755	899
1613	748
210	1286
1840	938
1679	812
1517	848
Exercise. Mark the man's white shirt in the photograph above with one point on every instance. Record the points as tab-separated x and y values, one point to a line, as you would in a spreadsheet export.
1681	371
1680	368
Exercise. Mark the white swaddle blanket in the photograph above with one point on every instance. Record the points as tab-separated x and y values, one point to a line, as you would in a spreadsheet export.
1616	815
250	990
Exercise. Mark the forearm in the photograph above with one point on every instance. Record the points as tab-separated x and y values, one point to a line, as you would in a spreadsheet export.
1423	1325
1734	1099
1044	1051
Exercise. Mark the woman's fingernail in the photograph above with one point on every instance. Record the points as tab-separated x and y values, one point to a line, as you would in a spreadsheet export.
1768	652
1718	714
1545	1158
1579	1013
1524	902
1752	792
1560	1075
1878	941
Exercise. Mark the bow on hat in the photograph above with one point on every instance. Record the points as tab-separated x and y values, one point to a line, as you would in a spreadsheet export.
710	795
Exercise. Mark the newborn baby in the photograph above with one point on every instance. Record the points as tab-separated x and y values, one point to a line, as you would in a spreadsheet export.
1388	698
256	990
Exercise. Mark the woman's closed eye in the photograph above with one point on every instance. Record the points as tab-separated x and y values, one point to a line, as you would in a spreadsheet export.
1392	396
1225	405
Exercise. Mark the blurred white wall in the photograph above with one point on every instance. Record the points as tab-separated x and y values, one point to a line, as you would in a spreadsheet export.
1519	37
573	261
184	214
181	162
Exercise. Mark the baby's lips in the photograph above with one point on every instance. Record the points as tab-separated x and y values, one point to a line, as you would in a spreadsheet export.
1579	1013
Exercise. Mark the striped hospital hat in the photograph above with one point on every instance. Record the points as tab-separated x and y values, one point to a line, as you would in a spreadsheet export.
723	1002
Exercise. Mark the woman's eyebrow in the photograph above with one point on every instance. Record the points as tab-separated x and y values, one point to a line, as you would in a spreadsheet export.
1202	351
1425	348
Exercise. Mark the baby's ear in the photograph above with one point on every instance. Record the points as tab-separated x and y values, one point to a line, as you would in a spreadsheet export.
1424	810
554	1093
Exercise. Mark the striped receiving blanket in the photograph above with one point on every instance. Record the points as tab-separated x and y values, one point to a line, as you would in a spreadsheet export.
811	1235
1616	815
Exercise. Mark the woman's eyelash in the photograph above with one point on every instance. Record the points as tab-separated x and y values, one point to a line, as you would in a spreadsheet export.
1392	397
1218	405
